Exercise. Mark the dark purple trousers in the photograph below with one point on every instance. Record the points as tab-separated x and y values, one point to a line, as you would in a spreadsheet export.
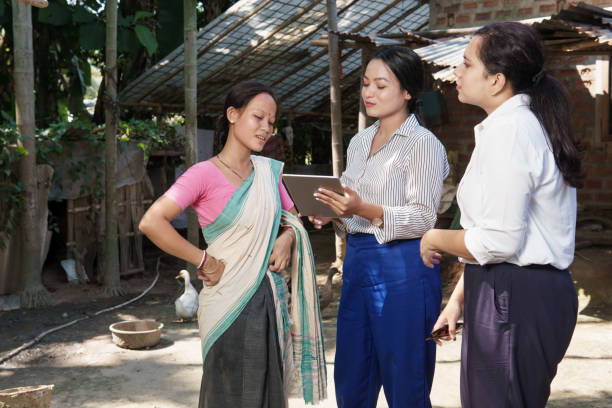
518	324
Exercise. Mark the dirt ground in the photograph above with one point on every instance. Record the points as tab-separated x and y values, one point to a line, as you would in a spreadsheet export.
88	370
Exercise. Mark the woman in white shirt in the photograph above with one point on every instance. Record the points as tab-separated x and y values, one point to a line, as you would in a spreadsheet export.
518	212
390	299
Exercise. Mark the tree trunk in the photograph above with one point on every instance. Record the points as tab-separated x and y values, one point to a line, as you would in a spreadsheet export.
191	118
34	293
336	108
112	284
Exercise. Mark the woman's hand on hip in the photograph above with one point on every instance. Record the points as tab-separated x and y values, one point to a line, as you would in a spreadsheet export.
449	316
429	253
211	271
281	252
344	205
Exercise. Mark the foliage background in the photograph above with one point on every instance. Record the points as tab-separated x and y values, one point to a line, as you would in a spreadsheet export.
69	41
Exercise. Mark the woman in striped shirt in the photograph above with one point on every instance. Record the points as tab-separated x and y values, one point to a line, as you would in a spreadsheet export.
390	299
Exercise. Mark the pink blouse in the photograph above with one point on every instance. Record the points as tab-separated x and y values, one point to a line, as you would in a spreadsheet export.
206	189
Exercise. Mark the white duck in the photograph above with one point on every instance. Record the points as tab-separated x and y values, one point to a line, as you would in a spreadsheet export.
186	305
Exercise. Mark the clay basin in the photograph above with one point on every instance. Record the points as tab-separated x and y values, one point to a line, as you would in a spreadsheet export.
136	334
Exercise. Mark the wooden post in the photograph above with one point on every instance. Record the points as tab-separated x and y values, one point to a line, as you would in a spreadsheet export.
112	284
136	213
363	121
335	106
289	137
191	118
124	224
602	101
34	293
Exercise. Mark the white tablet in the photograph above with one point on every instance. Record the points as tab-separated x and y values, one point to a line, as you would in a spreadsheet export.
301	188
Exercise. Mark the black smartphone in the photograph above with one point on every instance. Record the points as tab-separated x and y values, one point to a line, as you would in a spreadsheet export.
443	331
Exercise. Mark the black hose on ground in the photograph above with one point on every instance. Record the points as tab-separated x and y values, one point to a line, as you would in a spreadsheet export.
30	343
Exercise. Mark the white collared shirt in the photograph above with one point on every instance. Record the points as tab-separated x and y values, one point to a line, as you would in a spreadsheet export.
404	177
515	204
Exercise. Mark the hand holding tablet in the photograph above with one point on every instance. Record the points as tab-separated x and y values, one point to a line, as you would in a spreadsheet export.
301	188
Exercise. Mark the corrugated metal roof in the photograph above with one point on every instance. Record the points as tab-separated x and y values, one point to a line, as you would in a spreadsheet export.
601	35
445	53
558	32
269	40
402	37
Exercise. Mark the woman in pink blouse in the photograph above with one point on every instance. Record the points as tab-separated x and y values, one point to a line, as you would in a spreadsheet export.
243	315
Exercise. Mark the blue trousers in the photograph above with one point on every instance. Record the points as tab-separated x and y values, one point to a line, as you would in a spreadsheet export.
390	302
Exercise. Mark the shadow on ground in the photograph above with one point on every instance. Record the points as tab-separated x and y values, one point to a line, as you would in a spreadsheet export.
600	400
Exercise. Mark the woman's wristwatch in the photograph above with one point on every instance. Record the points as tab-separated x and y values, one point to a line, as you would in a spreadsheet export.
377	222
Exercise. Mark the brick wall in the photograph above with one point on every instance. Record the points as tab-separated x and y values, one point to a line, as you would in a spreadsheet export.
468	13
457	134
577	75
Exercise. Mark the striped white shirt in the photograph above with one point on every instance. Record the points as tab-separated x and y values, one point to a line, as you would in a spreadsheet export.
404	177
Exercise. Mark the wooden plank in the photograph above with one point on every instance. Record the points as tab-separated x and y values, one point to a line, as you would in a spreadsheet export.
364	120
561	41
100	215
86	208
123	229
580	46
136	213
602	102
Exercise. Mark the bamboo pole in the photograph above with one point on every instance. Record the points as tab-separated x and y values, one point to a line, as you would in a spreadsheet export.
34	293
364	121
112	284
335	107
191	118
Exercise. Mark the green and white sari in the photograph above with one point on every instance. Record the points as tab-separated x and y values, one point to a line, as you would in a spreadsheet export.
243	236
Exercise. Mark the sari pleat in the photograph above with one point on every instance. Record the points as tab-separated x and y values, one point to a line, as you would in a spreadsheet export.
247	350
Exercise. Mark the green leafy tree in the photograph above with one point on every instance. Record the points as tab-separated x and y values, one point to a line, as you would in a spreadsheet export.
60	64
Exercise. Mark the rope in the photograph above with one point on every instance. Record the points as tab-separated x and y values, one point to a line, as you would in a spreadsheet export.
63	326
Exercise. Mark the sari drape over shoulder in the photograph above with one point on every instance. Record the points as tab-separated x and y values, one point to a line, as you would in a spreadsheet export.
243	236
